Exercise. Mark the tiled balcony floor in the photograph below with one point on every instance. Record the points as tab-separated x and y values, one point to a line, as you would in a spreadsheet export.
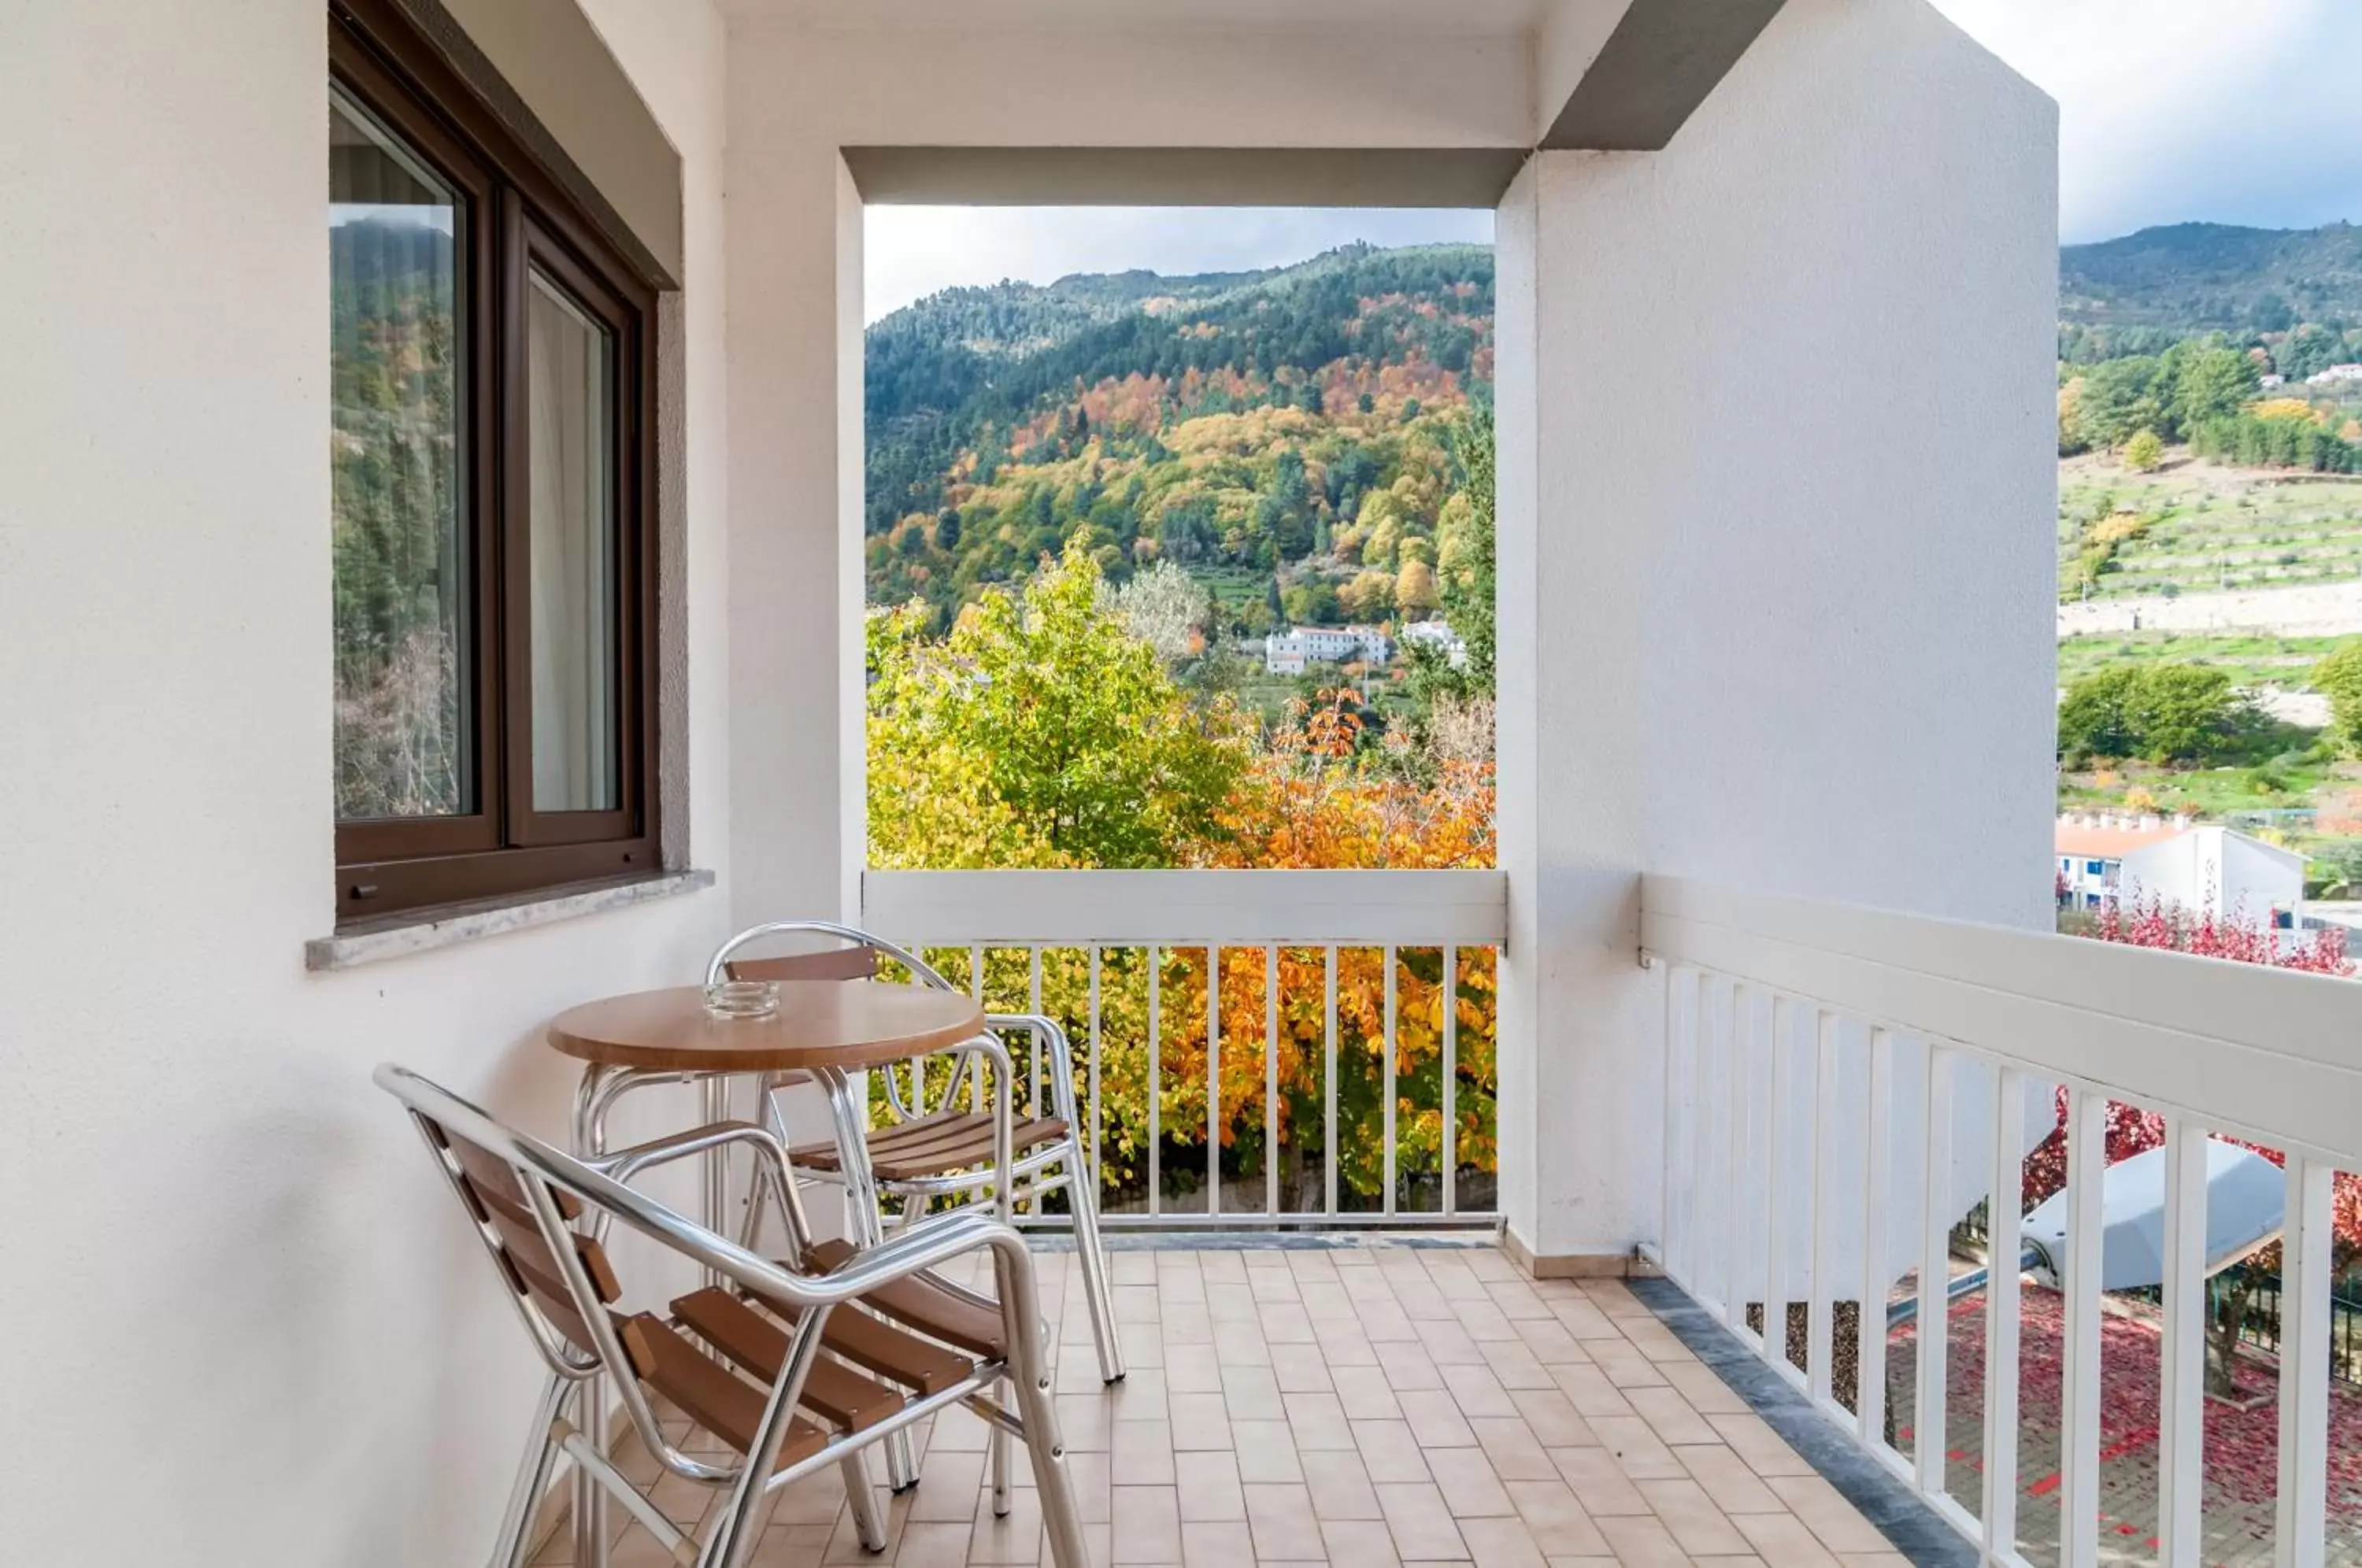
1363	1406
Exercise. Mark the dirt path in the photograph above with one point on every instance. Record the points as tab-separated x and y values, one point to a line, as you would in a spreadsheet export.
2322	611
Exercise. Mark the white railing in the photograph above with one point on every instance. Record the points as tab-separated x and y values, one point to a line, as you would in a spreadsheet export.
1844	1085
1344	974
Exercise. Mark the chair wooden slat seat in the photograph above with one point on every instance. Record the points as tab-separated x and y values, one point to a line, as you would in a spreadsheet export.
760	1345
917	1302
706	1391
936	1146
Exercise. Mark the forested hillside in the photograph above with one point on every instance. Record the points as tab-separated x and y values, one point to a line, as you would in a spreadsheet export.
1284	435
2297	292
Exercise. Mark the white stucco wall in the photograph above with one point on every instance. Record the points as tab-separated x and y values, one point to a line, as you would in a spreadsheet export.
1792	493
227	1267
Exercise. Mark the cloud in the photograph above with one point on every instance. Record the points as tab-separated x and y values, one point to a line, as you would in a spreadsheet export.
2173	110
911	252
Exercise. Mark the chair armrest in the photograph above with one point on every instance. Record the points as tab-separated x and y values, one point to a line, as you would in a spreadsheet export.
622	1165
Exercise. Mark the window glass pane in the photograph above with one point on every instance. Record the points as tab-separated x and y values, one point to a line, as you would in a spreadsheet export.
570	443
404	721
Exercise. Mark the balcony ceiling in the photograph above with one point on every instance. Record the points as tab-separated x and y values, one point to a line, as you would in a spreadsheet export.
1502	18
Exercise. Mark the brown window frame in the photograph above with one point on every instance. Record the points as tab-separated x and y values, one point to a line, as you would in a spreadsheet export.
519	218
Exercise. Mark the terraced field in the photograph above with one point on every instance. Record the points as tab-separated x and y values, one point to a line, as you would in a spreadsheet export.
2206	528
2250	660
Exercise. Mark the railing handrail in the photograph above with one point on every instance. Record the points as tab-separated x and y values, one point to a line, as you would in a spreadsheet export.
2274	1053
1186	909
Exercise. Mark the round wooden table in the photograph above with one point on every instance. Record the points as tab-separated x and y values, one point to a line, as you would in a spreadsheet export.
828	1028
841	1024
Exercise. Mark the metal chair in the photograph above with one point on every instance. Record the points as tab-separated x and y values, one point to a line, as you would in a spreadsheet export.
900	1342
945	1150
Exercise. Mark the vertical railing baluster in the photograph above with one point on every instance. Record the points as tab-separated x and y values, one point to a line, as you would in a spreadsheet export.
1819	1331
1877	1279
1684	996
1270	1080
1741	1169
1388	1150
1702	1231
977	1077
1779	1139
2006	1189
1156	1081
2079	1426
1033	1006
2182	1348
2306	1242
1928	1412
1099	1183
1451	1086
1213	1081
1328	1087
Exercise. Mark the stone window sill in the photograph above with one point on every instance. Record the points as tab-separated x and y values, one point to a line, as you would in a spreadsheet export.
424	931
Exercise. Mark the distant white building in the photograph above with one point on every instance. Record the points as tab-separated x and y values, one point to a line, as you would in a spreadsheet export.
1437	634
2108	858
1287	653
2335	373
2274	380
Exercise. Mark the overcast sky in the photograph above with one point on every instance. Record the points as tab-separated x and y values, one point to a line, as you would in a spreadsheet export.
2233	111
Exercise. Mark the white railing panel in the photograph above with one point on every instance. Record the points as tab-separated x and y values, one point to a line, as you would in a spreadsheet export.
1912	1061
1186	909
2274	1063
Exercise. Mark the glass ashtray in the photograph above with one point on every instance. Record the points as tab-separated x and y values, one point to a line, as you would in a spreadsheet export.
742	999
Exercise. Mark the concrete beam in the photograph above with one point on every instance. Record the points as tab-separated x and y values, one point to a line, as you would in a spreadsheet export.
1184	176
1655	69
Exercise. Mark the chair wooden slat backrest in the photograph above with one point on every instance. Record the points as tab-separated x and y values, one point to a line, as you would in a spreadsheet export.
827	964
494	1194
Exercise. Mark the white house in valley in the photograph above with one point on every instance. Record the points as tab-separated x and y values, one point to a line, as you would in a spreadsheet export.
2103	858
621	710
1288	652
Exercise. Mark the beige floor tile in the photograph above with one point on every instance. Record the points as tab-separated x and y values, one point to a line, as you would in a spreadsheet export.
1141	1454
1266	1451
1200	1420
1599	1483
947	1486
1515	1365
933	1544
1208	1482
1217	1544
1889	1559
1783	1540
1591	1391
1284	1527
1365	1396
1252	1393
1476	1391
1087	1476
1467	1482
1015	1538
1319	1421
1500	1542
1735	1488
1684	1509
1359	1543
1422	1525
1637	1447
1407	1366
1672	1416
1435	1419
1550	1340
1625	1365
1643	1541
1084	1420
1554	1418
1766	1452
1705	1389
1389	1453
1145	1526
790	1546
1515	1453
1192	1369
1557	1520
1823	1509
1340	1485
1300	1368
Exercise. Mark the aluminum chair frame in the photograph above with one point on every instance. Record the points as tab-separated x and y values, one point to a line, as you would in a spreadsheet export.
576	1374
1026	1179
